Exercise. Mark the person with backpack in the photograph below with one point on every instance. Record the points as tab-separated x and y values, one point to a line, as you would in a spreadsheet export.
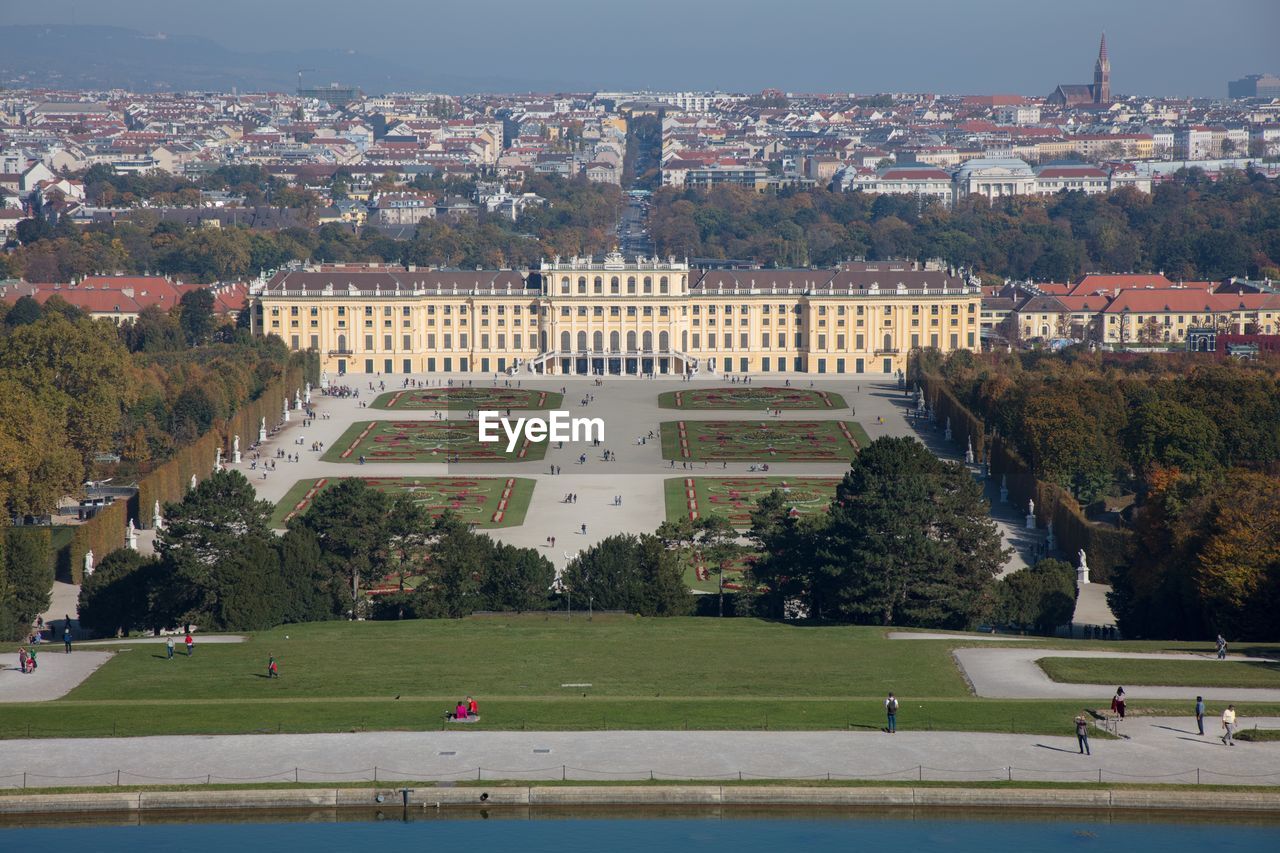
891	711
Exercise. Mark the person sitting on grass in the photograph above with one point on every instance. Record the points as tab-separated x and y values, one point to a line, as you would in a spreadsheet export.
473	710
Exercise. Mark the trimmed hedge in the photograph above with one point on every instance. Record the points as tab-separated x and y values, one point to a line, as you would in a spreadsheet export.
964	425
1106	547
168	482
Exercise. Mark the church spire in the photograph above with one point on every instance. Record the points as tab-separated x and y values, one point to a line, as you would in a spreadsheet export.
1101	88
1102	50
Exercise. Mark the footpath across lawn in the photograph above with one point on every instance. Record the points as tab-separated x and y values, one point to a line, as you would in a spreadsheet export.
1171	673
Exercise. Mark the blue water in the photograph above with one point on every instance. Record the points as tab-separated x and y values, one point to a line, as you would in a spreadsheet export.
649	836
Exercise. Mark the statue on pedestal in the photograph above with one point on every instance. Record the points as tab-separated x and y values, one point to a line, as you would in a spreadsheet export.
324	379
1082	570
88	562
306	397
297	399
286	409
968	453
262	431
217	460
235	450
194	481
1004	488
157	520
1031	514
131	536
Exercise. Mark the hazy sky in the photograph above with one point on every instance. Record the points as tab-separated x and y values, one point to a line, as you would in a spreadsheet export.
1025	46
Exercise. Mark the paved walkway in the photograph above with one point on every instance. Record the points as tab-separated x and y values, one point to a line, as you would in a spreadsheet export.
55	676
1014	674
1156	750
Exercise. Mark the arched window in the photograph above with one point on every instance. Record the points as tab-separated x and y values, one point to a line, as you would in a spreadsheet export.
613	285
342	343
597	342
662	285
648	341
582	341
631	341
662	342
565	342
888	341
631	284
648	284
599	285
564	285
613	342
582	285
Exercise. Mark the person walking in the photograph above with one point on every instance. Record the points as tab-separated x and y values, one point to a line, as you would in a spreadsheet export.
1200	714
66	638
272	670
191	644
1228	725
1117	702
1082	732
1222	647
891	712
168	647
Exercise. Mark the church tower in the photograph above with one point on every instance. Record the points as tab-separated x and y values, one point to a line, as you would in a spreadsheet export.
1102	75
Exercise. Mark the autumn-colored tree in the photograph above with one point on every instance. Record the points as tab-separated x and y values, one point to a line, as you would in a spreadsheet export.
1237	570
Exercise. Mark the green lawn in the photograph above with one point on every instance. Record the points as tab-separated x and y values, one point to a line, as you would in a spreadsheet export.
524	670
756	397
464	399
1172	673
735	497
478	500
765	440
425	441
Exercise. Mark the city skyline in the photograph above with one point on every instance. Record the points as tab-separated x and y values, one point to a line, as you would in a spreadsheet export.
994	47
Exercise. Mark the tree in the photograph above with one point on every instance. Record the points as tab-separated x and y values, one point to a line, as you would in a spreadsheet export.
196	316
1040	597
350	522
309	590
516	579
116	598
1169	434
28	571
909	543
24	312
1236	572
218	556
37	464
637	574
786	564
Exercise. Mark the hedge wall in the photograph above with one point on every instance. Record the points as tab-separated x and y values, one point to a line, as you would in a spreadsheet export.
1106	547
168	482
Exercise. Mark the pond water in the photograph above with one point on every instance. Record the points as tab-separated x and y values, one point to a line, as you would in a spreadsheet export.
911	833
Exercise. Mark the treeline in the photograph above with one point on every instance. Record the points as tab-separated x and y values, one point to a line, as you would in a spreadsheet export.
579	218
1101	424
1190	227
1197	444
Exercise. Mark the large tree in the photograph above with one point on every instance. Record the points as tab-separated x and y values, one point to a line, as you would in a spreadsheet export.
908	542
638	574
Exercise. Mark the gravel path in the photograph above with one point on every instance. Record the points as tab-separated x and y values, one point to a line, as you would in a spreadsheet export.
55	676
1157	749
1014	674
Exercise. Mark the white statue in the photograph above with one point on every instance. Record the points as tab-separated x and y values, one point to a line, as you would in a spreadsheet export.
194	481
1082	571
1031	514
306	397
88	562
968	453
324	379
235	450
947	434
131	536
262	431
297	399
1004	488
286	408
157	519
217	460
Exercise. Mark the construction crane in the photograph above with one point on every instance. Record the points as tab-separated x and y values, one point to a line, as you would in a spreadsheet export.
300	70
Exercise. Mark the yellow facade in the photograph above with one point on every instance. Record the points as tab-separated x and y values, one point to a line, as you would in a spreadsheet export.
618	316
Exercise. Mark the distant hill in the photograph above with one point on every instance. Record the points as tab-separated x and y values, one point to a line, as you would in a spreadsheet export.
92	57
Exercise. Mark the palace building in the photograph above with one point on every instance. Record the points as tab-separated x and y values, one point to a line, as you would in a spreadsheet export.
618	316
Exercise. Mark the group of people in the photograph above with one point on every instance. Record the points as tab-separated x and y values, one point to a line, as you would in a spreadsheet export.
466	711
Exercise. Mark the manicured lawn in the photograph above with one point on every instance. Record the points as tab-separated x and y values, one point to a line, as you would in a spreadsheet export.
499	399
757	397
644	673
426	441
1172	673
761	441
735	497
482	501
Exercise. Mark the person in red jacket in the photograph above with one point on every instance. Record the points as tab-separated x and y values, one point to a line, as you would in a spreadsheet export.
473	710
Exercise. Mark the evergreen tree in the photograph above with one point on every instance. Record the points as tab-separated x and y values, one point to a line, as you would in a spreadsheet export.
638	574
116	598
308	588
1040	597
28	572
